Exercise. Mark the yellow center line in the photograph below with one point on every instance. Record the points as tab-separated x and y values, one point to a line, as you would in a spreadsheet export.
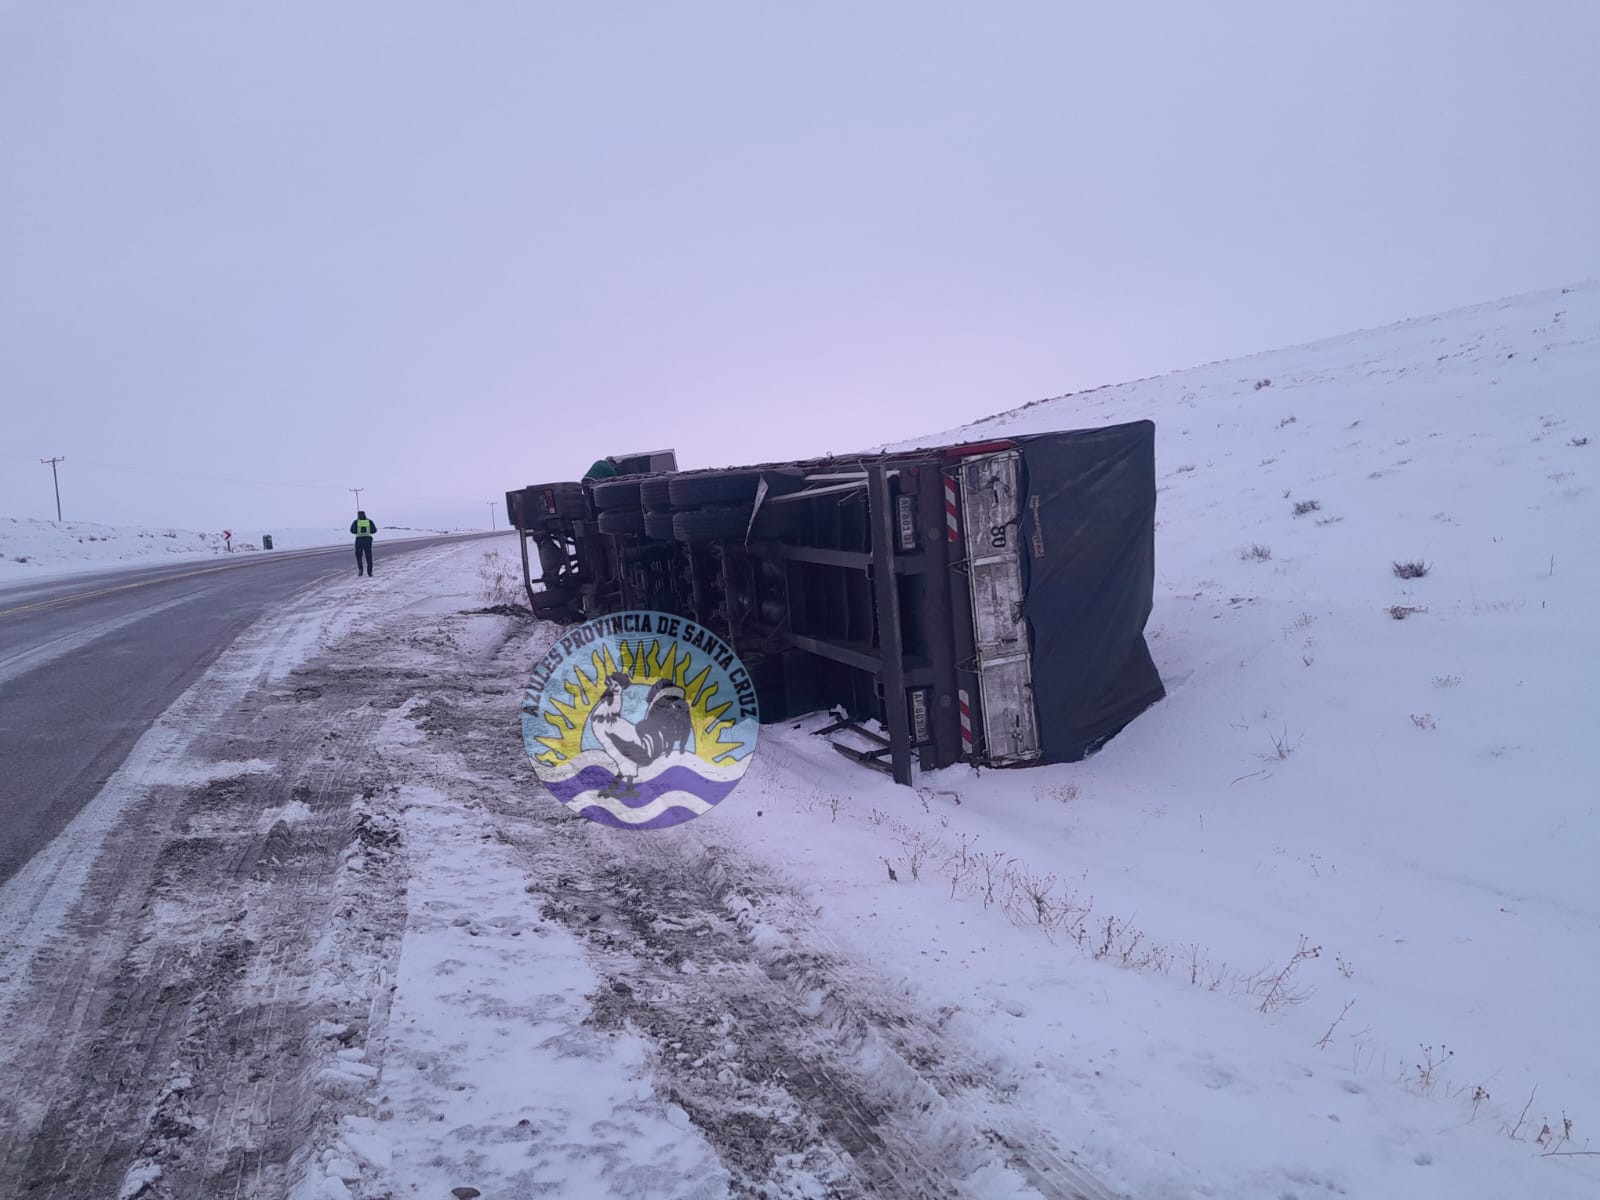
58	601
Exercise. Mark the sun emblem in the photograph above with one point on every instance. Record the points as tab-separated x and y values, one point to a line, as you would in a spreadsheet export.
640	720
644	665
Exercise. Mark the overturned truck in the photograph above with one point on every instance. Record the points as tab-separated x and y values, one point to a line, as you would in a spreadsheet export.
982	602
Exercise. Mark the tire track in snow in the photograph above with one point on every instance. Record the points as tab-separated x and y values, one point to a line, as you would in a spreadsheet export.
796	1070
171	1054
183	1047
224	1058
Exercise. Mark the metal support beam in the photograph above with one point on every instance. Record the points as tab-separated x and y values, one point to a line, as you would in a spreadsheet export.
860	656
527	578
907	564
886	593
821	555
867	758
938	620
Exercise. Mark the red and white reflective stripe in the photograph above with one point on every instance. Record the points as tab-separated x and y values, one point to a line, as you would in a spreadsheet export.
966	720
951	526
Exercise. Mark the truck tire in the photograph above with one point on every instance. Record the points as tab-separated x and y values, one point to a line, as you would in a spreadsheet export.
726	522
655	493
616	494
696	489
699	488
625	520
659	525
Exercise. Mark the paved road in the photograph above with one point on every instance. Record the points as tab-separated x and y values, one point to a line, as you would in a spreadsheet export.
87	662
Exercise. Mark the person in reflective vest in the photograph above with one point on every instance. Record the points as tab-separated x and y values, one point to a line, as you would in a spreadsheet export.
363	528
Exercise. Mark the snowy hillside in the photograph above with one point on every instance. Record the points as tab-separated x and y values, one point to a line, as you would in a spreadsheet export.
1321	923
1394	767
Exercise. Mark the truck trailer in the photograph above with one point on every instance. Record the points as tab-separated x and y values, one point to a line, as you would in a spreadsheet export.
982	602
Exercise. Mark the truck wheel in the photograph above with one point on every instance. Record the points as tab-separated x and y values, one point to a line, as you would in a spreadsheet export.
655	494
626	520
710	524
699	488
659	525
616	494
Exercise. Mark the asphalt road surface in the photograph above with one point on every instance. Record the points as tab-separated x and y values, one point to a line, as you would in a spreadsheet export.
88	662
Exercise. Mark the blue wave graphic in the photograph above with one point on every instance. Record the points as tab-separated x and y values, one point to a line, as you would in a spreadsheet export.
673	779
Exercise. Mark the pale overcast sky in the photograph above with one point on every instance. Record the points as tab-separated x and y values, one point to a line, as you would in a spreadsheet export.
441	249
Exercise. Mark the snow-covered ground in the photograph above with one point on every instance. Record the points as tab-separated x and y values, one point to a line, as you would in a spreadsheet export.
1321	923
32	549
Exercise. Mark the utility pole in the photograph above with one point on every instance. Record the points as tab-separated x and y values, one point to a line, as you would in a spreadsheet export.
358	492
57	478
490	503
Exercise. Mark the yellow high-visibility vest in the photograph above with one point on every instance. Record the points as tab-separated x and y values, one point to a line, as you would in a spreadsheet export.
364	527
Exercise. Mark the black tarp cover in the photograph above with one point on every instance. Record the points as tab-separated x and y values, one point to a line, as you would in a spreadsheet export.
1088	575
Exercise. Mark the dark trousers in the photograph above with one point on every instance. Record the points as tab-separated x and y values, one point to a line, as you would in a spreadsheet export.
364	554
